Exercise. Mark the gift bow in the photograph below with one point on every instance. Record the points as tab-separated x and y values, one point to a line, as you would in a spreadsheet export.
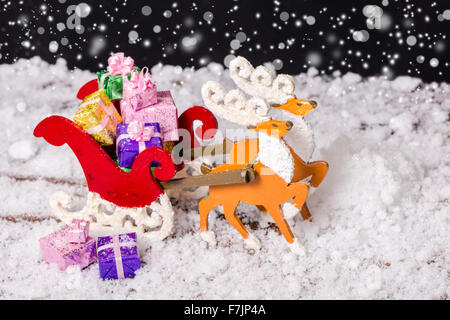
139	132
118	64
77	226
141	80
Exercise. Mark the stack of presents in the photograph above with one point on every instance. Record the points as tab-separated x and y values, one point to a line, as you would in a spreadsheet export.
126	115
128	112
117	255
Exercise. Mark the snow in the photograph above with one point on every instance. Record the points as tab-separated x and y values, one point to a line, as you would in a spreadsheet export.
405	83
380	224
22	149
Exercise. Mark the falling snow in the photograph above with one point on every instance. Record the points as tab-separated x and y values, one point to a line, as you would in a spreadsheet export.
192	34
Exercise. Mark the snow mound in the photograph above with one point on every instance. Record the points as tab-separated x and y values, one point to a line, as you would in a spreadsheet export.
405	83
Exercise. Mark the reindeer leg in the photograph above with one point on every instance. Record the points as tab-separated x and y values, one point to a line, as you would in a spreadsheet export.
293	244
261	208
204	207
278	217
264	214
305	212
298	191
230	214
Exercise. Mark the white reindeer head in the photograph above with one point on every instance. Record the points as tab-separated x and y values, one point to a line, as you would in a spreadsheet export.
259	82
234	105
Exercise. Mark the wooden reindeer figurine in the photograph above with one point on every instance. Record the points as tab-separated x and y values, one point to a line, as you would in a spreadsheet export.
274	167
279	92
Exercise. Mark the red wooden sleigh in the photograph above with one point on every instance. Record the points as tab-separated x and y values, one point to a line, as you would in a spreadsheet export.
130	191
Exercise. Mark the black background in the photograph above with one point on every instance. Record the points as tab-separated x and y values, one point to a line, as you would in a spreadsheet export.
28	27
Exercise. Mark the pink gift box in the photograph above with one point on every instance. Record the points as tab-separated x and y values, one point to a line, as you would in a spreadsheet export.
163	111
138	98
143	99
79	231
55	248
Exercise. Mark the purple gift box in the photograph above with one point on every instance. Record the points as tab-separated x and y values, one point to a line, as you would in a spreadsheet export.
56	248
118	256
128	148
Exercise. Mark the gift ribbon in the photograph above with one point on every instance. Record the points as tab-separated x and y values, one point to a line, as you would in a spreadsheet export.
76	231
116	244
109	112
146	135
141	80
77	227
118	64
139	132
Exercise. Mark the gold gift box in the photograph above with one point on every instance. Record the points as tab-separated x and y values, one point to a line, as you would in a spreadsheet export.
169	145
98	116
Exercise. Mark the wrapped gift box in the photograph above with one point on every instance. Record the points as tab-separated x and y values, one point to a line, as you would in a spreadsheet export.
111	80
79	231
116	160
56	248
118	256
140	90
112	84
98	117
163	111
128	148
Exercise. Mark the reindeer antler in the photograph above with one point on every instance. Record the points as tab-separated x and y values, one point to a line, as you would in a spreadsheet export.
259	82
234	105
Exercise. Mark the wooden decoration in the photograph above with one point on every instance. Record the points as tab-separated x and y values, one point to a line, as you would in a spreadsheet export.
279	92
268	189
243	151
138	188
244	175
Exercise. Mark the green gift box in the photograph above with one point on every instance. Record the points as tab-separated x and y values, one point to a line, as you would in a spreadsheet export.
116	160
112	84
